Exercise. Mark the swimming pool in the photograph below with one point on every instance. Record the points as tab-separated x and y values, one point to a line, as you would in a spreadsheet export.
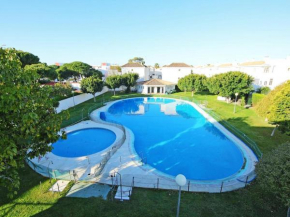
84	142
173	137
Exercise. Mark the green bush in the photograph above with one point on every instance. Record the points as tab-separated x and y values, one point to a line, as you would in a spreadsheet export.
256	98
264	90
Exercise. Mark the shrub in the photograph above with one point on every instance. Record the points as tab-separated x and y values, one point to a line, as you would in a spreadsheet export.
264	90
256	98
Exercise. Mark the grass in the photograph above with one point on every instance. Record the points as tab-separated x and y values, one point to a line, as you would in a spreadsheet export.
34	199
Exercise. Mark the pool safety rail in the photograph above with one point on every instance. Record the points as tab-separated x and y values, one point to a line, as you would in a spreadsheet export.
202	104
148	181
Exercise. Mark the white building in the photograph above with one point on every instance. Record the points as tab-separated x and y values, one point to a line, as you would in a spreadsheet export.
155	86
266	73
142	70
175	71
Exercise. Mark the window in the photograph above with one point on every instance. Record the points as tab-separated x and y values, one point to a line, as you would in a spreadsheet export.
271	81
265	82
148	90
178	69
132	70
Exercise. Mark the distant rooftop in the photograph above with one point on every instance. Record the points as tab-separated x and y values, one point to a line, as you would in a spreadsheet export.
156	81
177	65
133	65
253	63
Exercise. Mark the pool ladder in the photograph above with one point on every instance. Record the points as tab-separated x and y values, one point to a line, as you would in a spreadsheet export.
143	159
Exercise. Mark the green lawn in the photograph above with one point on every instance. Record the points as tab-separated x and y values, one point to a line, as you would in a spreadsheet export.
33	198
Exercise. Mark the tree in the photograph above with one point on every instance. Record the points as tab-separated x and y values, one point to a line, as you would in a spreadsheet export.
137	60
64	73
28	123
27	58
273	173
113	82
156	66
83	69
118	68
227	84
276	107
92	85
192	82
129	80
43	70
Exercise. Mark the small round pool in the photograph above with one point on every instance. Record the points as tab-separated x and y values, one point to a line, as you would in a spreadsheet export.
84	142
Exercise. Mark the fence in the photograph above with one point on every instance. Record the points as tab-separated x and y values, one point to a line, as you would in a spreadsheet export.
47	171
154	182
248	141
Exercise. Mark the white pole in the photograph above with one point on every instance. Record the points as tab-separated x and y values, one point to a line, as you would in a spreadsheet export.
178	203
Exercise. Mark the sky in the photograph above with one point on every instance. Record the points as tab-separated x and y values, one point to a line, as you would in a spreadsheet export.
160	31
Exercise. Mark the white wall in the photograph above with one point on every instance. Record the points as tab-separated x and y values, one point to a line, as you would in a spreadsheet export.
70	102
142	71
173	74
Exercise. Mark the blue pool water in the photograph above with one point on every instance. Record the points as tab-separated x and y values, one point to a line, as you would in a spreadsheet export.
84	142
175	138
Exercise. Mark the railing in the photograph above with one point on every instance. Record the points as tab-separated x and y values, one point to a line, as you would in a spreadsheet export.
202	105
47	171
155	182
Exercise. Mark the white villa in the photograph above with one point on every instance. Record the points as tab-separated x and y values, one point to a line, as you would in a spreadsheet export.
155	86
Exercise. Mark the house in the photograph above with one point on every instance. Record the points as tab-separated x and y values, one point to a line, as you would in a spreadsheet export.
142	70
155	86
175	71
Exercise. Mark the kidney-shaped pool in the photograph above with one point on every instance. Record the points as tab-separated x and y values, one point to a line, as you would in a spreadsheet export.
173	137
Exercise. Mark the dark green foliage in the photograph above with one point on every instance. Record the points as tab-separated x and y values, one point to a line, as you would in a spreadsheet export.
129	80
256	98
43	70
273	173
92	85
28	119
27	58
113	82
77	68
227	84
64	73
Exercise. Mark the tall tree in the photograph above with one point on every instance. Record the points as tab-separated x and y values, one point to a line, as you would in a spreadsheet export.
113	82
273	173
92	85
43	70
137	60
83	69
192	82
129	80
65	73
28	121
27	58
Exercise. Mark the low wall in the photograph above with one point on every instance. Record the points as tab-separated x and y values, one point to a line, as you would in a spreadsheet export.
72	101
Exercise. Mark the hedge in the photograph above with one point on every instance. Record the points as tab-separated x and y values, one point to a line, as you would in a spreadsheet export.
256	98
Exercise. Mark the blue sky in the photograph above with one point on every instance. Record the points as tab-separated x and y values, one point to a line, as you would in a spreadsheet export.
194	32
